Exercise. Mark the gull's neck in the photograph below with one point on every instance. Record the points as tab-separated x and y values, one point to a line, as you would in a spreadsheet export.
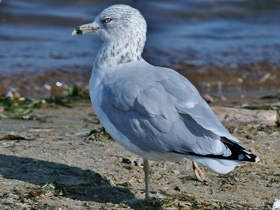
110	56
114	53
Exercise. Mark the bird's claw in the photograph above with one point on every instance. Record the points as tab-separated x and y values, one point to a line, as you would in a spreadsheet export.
198	173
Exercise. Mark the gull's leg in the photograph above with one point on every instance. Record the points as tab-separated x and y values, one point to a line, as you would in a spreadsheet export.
146	171
198	173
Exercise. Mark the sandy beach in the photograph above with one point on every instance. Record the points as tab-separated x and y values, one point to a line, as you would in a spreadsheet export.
55	153
53	163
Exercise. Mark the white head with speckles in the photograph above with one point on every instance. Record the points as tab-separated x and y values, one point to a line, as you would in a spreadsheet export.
123	30
120	22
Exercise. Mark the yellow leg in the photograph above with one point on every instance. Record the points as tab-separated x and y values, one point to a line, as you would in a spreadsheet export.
146	171
198	173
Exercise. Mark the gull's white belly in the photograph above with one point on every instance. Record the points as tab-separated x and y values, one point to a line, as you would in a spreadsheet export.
96	100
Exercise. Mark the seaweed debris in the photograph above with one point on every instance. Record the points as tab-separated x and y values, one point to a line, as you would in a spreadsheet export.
14	106
263	107
271	104
276	96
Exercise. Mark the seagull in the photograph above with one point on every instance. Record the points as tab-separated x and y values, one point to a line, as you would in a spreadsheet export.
153	111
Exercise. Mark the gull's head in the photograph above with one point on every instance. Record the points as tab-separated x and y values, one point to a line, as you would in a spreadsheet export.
117	23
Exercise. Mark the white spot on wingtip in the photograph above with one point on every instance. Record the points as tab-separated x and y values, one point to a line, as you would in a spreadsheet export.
257	159
246	151
248	156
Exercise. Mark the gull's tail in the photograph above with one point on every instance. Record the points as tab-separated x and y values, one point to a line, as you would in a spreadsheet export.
225	164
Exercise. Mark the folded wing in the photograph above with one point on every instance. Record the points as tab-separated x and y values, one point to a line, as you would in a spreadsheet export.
159	110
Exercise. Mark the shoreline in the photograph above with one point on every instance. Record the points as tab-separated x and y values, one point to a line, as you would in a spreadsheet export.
249	80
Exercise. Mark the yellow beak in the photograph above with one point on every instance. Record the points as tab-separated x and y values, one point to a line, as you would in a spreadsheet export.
83	29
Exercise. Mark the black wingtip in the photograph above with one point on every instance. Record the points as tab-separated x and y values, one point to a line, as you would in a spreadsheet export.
239	152
247	156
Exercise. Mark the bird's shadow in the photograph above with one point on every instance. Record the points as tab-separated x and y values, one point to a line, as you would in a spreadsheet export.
39	172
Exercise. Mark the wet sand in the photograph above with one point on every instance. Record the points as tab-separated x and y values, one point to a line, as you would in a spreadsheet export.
58	165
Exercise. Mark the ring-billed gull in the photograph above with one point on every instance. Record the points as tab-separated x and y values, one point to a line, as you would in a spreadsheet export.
153	111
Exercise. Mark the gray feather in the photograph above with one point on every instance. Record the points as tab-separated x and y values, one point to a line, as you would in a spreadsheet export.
147	107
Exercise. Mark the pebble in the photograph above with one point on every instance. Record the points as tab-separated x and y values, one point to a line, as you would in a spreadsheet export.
139	162
223	98
126	160
177	172
140	180
125	184
33	193
177	188
209	99
276	205
275	134
276	173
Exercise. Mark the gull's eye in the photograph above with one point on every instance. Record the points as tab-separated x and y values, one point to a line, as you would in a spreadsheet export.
107	20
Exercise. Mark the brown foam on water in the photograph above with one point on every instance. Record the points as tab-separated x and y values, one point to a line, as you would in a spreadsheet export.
258	77
42	85
240	79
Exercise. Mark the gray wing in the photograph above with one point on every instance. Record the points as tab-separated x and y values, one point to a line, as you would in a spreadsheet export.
158	109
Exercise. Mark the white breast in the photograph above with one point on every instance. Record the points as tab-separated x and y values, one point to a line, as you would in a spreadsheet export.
96	100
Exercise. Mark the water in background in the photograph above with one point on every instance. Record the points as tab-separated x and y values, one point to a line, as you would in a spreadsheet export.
223	46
